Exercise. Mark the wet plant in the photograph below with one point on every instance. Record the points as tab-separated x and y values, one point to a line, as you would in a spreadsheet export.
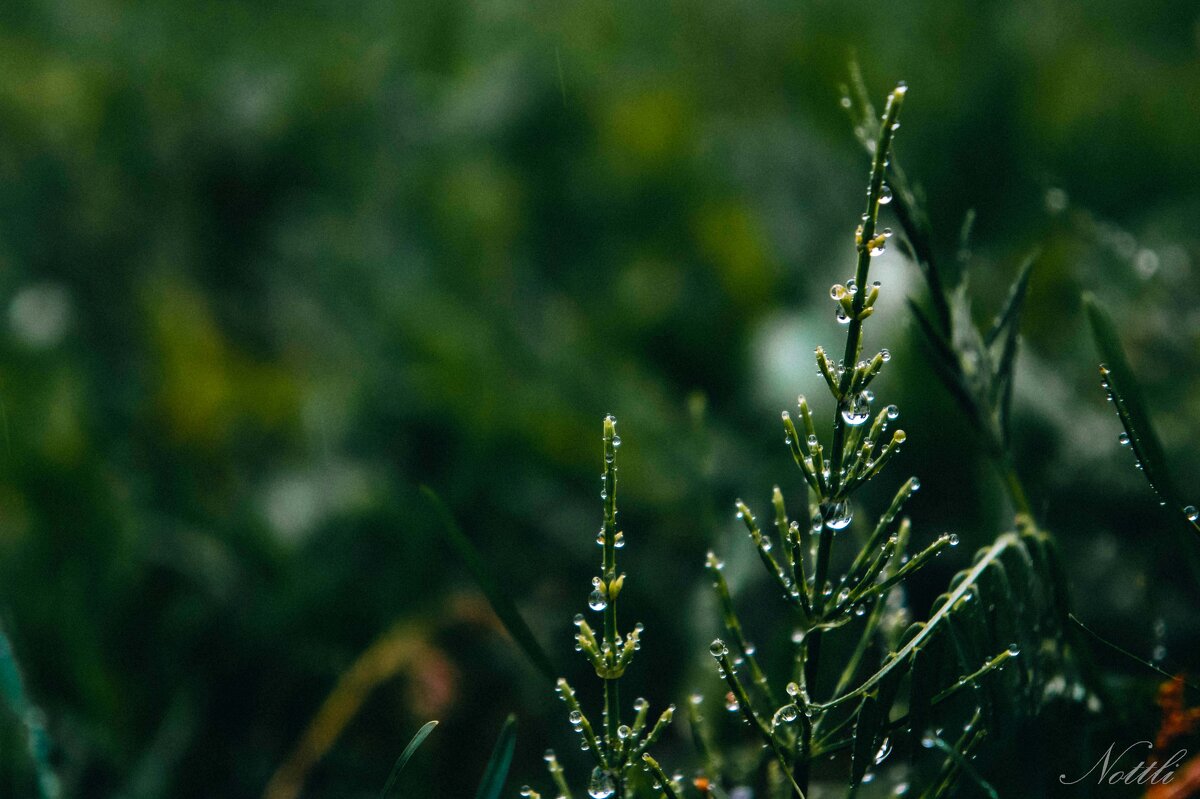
617	748
1002	611
936	688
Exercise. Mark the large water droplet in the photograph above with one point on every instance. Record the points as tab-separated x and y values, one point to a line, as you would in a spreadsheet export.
857	409
885	194
838	515
600	786
597	600
1191	513
717	648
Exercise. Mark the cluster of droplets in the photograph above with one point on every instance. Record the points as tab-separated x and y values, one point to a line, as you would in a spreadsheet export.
618	540
598	599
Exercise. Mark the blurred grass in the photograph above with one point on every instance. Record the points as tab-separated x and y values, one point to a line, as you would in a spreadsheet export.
266	267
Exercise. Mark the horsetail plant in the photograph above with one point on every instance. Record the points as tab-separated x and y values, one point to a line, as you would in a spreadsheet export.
977	366
617	748
1010	600
974	641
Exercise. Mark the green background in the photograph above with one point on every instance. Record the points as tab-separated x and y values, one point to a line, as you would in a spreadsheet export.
267	267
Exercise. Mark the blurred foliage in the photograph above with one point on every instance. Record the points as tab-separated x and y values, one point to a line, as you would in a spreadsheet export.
266	267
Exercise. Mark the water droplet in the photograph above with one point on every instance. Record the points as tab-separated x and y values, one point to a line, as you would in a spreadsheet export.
842	317
597	600
717	648
845	102
1191	513
576	718
1013	650
952	540
885	355
600	786
1123	439
857	409
617	441
892	411
623	732
915	484
838	515
837	291
885	749
789	713
885	194
731	703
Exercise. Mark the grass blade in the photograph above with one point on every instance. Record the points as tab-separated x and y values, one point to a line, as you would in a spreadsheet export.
402	761
1123	388
871	719
500	601
12	692
496	772
1012	307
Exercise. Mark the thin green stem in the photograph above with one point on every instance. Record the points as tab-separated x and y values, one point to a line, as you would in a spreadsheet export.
612	713
854	333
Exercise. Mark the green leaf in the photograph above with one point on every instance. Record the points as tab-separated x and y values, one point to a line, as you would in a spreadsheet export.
1003	334
12	692
1009	314
492	784
945	363
500	601
1127	398
407	754
866	733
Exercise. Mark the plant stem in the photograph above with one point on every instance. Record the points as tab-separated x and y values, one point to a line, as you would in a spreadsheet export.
612	711
854	334
853	345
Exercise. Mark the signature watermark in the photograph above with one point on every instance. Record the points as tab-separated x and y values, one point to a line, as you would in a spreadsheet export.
1112	768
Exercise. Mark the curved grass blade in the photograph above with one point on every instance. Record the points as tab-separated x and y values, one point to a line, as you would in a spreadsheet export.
1012	306
12	692
500	601
496	772
1126	395
407	754
961	763
871	719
